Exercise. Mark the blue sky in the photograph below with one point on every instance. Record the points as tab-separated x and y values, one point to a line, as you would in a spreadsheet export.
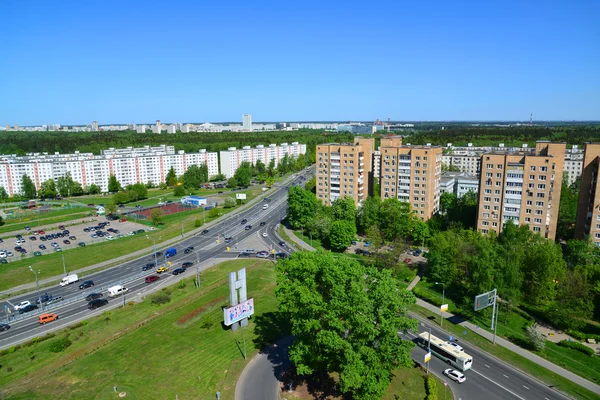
73	61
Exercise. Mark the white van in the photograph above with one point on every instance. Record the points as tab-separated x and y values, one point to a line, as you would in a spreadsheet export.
69	279
265	206
116	290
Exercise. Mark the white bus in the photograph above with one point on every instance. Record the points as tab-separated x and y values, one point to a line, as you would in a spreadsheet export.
446	352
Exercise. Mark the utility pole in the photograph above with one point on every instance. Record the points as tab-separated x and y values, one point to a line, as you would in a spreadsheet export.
64	265
37	283
182	229
197	271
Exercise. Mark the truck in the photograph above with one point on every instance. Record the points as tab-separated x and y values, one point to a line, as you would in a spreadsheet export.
170	252
116	290
69	279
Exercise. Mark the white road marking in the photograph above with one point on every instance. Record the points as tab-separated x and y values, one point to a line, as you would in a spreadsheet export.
525	387
487	365
506	376
497	384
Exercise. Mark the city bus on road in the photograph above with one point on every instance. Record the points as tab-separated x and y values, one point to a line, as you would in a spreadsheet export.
445	351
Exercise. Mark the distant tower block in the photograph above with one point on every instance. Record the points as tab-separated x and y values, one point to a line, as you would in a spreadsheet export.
158	122
531	119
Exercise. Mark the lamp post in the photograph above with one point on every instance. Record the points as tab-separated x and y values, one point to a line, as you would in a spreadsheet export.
63	260
154	242
37	283
443	296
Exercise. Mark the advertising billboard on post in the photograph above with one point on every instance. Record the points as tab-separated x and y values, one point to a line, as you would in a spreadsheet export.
238	312
240	196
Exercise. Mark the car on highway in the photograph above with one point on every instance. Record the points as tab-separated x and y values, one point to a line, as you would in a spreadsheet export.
66	241
263	223
81	244
92	305
158	254
42	247
86	284
178	271
281	255
148	266
244	221
44	298
262	254
162	269
188	249
455	375
456	346
28	308
55	300
152	278
44	318
93	296
248	227
4	327
187	264
282	243
204	232
264	234
22	304
228	239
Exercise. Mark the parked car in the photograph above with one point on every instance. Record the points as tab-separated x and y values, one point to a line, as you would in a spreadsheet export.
152	278
204	232
32	238
92	305
93	296
139	231
162	269
57	249
188	249
123	220
264	234
81	244
455	375
3	261
130	233
417	253
407	261
37	253
28	308
110	237
42	247
178	271
86	284
61	227
66	241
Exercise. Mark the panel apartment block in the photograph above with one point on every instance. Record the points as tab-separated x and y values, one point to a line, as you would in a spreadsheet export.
524	188
588	207
341	171
412	174
232	157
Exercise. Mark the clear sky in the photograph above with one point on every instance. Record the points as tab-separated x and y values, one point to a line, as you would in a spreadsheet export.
115	61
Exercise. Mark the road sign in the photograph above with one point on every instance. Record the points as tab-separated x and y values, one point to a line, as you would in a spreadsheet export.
484	300
444	307
427	357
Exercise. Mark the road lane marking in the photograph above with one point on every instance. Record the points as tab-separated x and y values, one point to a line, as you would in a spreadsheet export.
499	385
487	365
525	387
506	376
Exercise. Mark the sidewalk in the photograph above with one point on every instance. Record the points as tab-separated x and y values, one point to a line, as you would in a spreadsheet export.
512	347
297	240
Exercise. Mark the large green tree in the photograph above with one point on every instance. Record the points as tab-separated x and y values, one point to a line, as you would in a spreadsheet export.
3	194
544	269
567	211
344	209
302	207
48	189
243	174
397	219
93	189
195	176
64	184
260	167
368	214
345	320
28	187
113	184
341	235
171	178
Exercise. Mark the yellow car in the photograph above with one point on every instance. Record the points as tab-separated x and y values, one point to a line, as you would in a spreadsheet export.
162	269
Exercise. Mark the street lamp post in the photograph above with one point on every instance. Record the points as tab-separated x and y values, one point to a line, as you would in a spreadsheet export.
154	242
37	283
64	265
443	297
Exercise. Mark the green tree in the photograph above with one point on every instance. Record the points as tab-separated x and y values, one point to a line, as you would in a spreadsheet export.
48	189
120	198
179	191
420	231
1	221
284	165
311	185
574	302
3	194
243	174
368	214
64	184
397	219
156	216
269	182
341	235
229	202
93	189
535	338
28	188
218	178
302	207
373	236
567	212
138	192
260	167
232	182
344	209
271	169
76	189
195	176
345	320
447	201
111	207
543	268
171	178
113	184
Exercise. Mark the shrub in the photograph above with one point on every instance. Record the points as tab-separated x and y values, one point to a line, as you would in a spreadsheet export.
198	223
206	323
160	298
60	344
576	334
432	391
577	346
181	285
535	337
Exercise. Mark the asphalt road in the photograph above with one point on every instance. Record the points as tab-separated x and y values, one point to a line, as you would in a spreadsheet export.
131	275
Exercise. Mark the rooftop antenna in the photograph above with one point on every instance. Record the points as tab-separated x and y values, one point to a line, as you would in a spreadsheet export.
389	123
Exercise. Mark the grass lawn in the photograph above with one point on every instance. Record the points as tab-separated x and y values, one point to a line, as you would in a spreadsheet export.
177	349
409	384
509	357
315	242
53	217
16	273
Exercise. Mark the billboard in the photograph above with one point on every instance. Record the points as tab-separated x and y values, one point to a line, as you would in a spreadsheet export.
238	312
484	300
240	196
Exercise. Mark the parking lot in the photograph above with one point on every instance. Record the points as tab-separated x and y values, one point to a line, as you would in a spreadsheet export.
33	244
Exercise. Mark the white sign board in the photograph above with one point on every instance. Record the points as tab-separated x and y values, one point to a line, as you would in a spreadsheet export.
444	307
427	357
240	196
238	312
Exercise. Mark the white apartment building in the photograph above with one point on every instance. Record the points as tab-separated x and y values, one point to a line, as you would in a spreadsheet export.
247	121
573	164
458	183
232	157
377	163
129	165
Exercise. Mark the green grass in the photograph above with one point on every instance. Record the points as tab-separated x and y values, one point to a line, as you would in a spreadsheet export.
53	217
508	356
316	243
144	351
409	384
16	273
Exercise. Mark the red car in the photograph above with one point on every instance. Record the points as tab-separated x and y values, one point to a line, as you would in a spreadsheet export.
42	232
152	278
407	260
123	220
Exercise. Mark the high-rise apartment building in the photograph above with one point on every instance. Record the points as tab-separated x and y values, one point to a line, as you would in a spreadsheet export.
95	126
342	171
411	174
522	187
587	223
247	122
232	157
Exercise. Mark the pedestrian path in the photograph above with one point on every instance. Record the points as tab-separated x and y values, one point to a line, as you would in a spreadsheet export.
511	346
303	245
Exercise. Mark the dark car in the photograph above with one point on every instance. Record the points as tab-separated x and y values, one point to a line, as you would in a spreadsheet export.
178	271
248	227
188	249
42	247
72	238
204	232
86	284
18	248
43	238
93	296
187	264
158	254
282	243
81	244
152	278
220	192
92	305
28	308
86	229
244	221
61	227
417	253
4	327
66	241
281	255
148	267
32	238
139	231
44	298
263	223
66	232
3	261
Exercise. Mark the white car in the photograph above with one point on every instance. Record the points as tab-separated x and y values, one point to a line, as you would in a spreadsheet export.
9	254
152	228
130	233
110	237
2	254
265	234
456	346
22	304
455	375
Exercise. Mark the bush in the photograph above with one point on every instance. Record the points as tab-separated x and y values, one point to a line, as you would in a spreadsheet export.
432	391
60	344
535	338
576	334
160	298
577	346
198	223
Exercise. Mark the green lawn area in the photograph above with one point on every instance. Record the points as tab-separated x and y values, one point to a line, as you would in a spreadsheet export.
55	216
511	358
16	273
177	349
409	384
315	242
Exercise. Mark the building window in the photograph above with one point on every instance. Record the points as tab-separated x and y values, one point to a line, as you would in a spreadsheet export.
498	175
488	191
542	177
488	199
537	220
531	177
486	215
541	195
536	228
488	174
533	167
539	204
490	166
495	224
529	202
528	211
485	223
487	207
497	191
527	219
543	169
484	231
